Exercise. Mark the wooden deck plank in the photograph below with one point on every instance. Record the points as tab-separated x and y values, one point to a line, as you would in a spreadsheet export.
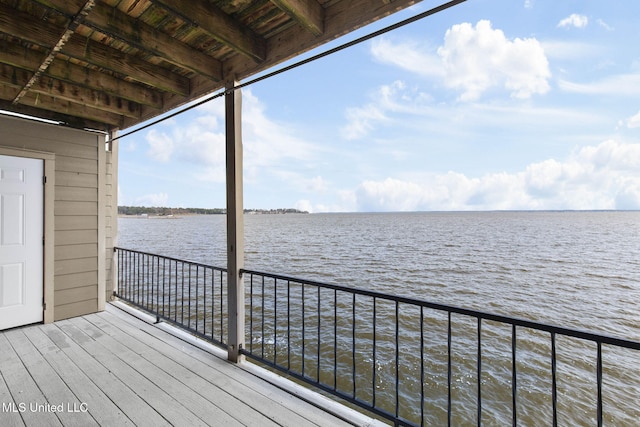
58	397
278	404
165	375
208	378
10	414
130	372
23	388
98	404
136	409
162	402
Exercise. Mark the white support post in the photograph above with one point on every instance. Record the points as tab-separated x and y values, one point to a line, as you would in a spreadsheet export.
235	221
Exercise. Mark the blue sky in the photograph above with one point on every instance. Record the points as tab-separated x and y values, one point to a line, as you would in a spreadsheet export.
493	104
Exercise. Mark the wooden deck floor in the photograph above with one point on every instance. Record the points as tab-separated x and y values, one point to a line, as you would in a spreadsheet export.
112	369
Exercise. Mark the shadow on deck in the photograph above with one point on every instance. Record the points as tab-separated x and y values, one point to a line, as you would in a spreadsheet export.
112	368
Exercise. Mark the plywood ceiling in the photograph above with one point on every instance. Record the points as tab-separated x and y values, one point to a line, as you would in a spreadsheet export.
110	64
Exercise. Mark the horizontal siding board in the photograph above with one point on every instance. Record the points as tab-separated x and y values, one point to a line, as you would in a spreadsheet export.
52	134
76	251
76	237
76	194
61	147
75	309
76	280
76	179
76	164
77	265
68	296
76	208
72	222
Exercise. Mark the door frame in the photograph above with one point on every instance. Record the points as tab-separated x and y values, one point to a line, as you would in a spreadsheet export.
48	221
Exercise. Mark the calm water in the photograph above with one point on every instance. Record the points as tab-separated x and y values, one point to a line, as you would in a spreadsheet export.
575	269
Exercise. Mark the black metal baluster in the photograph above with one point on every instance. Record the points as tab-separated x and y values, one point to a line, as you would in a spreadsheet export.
335	339
318	339
479	371
599	381
189	298
554	395
158	298
353	343
204	301
397	404
288	325
422	376
449	375
251	314
175	319
304	338
145	280
275	320
514	376
197	296
262	317
136	279
373	374
169	293
221	308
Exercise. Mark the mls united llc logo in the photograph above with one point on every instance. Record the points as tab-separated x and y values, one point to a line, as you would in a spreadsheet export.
44	407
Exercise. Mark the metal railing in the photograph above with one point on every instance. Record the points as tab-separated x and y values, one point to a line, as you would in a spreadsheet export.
415	362
408	361
187	294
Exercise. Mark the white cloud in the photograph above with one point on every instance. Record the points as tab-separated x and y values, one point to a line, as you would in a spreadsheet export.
605	176
620	85
479	58
154	200
605	25
397	106
200	141
634	121
571	50
409	55
474	60
387	98
574	20
160	146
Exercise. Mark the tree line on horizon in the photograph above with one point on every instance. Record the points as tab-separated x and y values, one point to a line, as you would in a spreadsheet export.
165	211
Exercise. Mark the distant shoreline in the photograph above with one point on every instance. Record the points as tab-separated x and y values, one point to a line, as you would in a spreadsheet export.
164	212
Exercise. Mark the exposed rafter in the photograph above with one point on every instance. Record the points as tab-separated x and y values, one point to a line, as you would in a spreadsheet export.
219	25
309	14
71	27
114	23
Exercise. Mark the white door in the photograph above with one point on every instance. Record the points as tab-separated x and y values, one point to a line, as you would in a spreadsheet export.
21	241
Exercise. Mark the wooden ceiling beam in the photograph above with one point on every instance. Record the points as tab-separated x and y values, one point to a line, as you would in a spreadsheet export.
341	18
211	19
55	116
46	85
308	13
62	110
28	59
46	35
71	26
119	25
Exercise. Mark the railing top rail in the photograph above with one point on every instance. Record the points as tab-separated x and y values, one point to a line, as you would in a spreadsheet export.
590	336
194	263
